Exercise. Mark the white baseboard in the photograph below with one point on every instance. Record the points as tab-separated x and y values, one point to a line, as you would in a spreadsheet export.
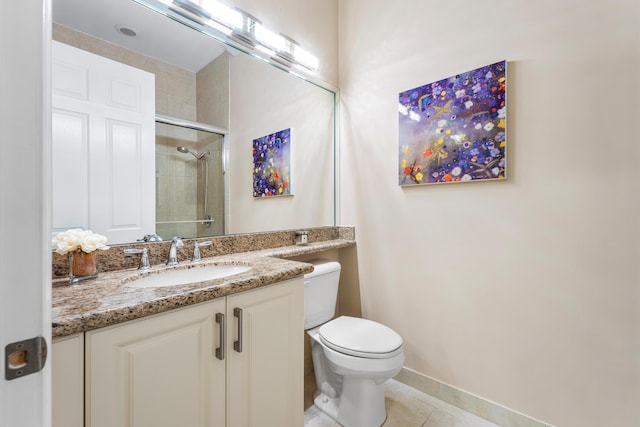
466	401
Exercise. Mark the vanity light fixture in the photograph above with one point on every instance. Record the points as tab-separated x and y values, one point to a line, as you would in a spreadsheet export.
211	14
305	59
288	51
189	10
223	14
245	33
268	41
237	26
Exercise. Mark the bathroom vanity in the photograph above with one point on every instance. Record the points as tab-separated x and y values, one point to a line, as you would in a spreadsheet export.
202	364
226	352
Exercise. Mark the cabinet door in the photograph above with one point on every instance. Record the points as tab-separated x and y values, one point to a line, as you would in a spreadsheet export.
67	377
157	371
265	387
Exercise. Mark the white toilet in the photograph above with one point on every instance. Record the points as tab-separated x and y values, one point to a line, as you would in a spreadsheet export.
352	357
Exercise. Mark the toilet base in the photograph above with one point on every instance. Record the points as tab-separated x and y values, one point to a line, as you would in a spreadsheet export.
361	403
328	405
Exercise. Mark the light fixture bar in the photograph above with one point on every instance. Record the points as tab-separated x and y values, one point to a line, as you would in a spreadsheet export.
192	7
222	14
306	59
235	26
245	33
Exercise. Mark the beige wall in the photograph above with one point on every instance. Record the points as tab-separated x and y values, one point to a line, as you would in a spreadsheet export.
525	292
264	100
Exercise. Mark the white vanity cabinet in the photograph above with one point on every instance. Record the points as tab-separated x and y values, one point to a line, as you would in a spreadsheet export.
265	379
168	369
67	377
157	371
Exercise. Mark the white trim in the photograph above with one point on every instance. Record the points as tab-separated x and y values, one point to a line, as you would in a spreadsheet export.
161	118
466	401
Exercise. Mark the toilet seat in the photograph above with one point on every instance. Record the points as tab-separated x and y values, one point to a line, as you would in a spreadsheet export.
360	338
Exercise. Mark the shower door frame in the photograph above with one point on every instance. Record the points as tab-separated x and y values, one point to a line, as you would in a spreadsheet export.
203	127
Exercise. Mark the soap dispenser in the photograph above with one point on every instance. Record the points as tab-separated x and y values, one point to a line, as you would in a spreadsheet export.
302	238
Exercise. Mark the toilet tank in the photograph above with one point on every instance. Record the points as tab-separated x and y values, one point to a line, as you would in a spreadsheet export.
320	292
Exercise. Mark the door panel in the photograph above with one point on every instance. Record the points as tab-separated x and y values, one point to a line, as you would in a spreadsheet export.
25	200
157	371
70	152
119	151
267	376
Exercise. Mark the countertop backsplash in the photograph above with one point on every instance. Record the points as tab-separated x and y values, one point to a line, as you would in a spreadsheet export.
108	299
114	259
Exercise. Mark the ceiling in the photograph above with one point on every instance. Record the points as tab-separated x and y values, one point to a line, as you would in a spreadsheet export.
157	36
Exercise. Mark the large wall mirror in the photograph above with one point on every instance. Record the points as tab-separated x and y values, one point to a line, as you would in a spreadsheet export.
210	101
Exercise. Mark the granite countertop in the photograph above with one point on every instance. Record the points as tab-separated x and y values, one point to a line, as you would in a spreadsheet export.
108	300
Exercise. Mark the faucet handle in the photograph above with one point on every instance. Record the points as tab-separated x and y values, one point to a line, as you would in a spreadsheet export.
150	238
144	259
196	250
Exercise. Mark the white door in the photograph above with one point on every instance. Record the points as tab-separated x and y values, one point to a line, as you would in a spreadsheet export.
25	248
103	145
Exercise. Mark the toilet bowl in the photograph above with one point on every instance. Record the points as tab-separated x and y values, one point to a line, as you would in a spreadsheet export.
352	357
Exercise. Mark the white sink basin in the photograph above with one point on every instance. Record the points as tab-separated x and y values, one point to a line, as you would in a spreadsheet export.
189	275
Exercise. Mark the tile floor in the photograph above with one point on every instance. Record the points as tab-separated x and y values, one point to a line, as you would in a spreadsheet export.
407	407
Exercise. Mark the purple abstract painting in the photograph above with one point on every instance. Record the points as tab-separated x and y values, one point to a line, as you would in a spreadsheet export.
454	130
272	164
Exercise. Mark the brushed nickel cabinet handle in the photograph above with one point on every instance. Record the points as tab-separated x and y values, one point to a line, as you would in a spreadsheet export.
223	336
237	345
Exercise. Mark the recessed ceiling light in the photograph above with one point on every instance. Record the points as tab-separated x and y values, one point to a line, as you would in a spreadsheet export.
129	32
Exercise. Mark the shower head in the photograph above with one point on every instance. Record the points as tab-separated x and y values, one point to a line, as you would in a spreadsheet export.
196	155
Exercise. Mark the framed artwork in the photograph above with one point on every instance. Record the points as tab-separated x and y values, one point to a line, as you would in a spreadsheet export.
272	165
454	130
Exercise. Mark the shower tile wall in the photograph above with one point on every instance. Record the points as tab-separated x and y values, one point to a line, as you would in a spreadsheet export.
176	91
176	181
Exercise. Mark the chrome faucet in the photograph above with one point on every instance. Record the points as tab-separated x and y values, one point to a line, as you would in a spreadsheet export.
173	252
144	258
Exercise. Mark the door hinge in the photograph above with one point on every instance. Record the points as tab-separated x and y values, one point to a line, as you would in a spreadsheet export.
24	357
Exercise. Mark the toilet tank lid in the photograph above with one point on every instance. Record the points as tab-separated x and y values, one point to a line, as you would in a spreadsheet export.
322	266
360	335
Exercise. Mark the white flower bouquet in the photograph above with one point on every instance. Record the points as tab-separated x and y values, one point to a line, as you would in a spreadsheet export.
78	239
